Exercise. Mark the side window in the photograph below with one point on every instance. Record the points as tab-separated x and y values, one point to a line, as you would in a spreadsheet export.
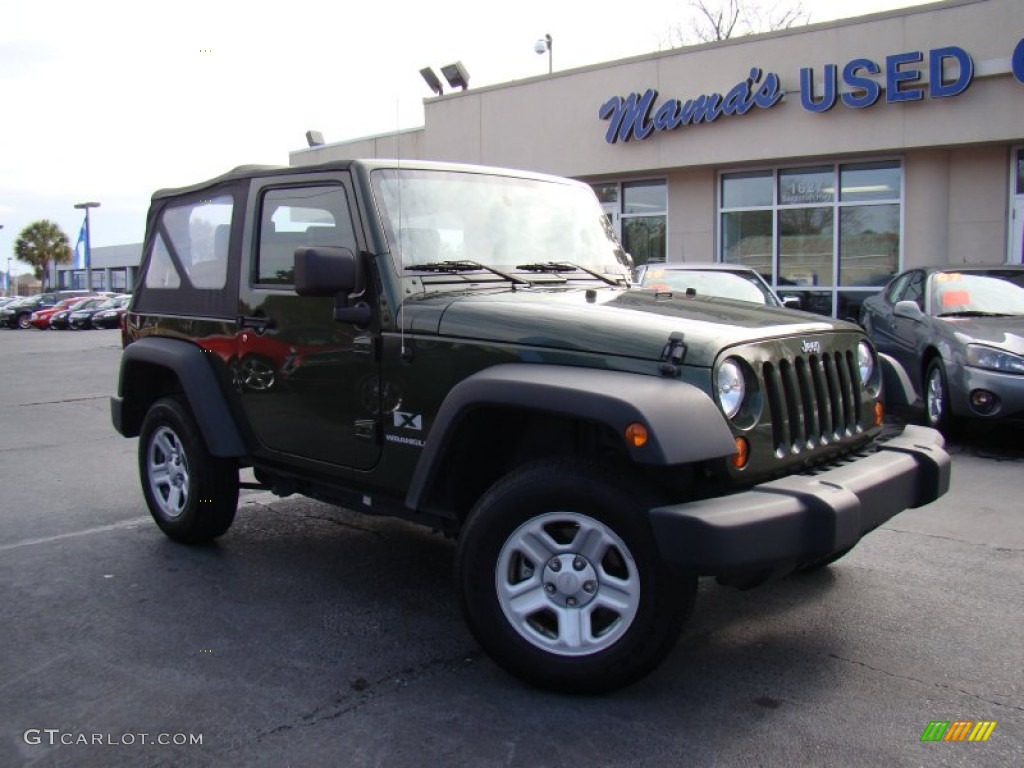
893	294
192	243
298	216
915	289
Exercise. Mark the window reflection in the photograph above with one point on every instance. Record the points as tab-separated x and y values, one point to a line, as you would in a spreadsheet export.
805	246
869	244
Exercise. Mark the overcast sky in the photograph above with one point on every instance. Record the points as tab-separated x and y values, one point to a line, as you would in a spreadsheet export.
108	100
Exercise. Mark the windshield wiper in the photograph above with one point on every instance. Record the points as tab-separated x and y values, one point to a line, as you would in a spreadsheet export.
975	313
465	266
566	266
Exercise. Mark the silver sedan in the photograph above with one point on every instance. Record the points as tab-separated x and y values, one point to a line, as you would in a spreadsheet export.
955	338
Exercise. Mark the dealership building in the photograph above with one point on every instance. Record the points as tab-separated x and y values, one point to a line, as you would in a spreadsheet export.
828	157
113	268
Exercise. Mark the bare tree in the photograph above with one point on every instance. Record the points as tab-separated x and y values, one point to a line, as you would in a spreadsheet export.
713	20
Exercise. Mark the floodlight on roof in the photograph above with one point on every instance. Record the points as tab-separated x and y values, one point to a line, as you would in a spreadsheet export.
314	138
456	74
435	85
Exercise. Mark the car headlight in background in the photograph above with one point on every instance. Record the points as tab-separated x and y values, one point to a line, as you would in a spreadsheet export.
993	359
730	387
865	363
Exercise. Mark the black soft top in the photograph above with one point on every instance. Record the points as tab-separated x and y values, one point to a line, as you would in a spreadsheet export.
245	172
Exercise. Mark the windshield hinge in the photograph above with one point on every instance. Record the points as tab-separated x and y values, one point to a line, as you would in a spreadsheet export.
673	354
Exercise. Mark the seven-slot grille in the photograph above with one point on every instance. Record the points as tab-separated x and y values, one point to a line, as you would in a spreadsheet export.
813	400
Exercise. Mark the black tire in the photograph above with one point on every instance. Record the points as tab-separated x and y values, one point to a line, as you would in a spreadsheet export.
622	607
191	494
936	397
23	321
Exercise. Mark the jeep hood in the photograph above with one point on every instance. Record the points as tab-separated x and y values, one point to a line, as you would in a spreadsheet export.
628	323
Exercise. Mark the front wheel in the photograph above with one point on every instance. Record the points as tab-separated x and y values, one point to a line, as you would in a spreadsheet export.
561	579
191	494
936	397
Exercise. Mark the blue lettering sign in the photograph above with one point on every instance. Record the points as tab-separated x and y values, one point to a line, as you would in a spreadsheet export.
828	97
870	90
938	87
630	117
1017	62
770	91
894	76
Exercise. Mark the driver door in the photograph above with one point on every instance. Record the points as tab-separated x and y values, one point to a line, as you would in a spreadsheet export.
309	384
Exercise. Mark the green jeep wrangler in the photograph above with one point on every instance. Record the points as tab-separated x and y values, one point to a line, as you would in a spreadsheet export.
461	347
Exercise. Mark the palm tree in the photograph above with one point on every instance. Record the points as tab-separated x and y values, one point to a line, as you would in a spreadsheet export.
41	243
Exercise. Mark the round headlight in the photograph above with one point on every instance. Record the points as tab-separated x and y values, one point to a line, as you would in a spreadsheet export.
865	363
730	387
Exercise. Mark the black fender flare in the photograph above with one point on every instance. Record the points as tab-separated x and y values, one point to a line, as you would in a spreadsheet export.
191	365
674	412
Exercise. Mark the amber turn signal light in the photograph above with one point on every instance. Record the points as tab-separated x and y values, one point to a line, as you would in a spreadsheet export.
742	455
636	435
879	413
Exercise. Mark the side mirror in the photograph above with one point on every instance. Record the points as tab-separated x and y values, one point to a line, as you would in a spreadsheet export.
909	310
332	271
791	302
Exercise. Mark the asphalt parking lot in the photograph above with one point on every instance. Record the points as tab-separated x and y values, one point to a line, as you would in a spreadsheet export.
313	636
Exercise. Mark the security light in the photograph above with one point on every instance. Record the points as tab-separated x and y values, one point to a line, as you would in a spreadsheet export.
314	138
435	85
456	74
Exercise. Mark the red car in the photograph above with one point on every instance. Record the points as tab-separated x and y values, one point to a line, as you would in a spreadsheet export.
41	318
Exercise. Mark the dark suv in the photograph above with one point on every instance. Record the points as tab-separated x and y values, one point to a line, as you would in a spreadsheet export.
18	314
461	347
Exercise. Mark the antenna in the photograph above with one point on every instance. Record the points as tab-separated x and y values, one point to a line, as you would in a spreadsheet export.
404	352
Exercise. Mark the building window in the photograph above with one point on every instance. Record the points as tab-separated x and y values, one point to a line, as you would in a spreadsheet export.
638	212
828	234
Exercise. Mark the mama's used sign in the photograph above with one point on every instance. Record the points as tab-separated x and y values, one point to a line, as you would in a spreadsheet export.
859	84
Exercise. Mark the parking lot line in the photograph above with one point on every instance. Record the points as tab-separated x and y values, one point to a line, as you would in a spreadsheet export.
75	534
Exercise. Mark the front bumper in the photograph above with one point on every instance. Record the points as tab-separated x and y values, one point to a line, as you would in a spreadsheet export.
803	518
1008	389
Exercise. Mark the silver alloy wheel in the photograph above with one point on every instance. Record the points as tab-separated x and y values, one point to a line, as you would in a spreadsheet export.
167	472
935	398
257	374
567	584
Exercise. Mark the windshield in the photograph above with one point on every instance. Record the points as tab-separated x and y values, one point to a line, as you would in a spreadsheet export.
986	293
722	283
497	221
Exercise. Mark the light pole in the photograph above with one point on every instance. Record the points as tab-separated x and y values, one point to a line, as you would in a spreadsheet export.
88	244
543	45
8	286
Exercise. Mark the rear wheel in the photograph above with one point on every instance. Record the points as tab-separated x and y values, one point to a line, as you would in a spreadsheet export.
191	494
24	320
561	579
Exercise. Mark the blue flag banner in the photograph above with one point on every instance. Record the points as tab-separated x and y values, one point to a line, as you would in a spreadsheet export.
79	260
6	286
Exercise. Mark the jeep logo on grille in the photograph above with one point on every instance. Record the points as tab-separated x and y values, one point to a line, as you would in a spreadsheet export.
811	346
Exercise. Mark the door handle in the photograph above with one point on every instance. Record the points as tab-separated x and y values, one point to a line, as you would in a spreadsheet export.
258	323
